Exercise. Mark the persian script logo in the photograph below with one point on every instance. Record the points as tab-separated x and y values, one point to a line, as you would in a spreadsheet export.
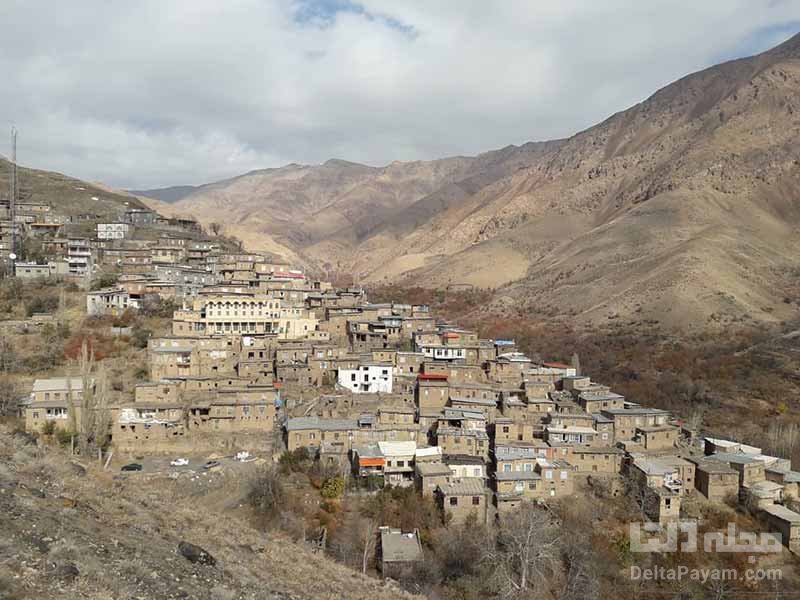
732	540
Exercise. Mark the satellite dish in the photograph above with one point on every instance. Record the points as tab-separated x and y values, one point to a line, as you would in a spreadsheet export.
12	256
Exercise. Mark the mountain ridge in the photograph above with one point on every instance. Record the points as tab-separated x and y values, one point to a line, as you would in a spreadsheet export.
689	193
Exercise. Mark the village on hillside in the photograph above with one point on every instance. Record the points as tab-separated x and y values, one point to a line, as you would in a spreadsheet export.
264	360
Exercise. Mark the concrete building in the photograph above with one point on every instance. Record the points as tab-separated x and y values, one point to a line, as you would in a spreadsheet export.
111	301
367	378
51	401
398	551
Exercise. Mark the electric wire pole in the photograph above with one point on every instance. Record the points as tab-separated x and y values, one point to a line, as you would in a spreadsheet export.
12	198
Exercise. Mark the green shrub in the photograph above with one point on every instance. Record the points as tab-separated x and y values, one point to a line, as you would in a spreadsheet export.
63	437
49	428
296	461
333	487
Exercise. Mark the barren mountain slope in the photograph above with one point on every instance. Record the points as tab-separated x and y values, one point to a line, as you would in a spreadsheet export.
298	204
683	208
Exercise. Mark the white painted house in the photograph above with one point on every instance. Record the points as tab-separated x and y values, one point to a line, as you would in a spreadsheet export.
112	231
368	378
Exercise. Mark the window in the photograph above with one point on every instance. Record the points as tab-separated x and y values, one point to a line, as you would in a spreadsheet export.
548	474
453	501
506	468
476	501
563	475
401	463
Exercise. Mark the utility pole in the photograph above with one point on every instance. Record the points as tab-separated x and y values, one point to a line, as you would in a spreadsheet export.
12	198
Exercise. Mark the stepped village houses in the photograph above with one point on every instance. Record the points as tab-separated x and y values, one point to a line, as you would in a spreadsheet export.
262	357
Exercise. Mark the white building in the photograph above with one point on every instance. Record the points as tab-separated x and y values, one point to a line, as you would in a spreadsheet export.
442	352
112	231
399	467
110	301
369	378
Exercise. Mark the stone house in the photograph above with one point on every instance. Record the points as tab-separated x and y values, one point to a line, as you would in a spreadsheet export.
784	521
455	440
408	363
671	472
50	402
662	504
398	552
626	420
594	402
431	395
597	460
716	480
750	469
430	475
461	497
657	437
508	367
573	436
465	466
310	432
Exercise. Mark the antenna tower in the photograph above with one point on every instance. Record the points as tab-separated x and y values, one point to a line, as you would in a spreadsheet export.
13	193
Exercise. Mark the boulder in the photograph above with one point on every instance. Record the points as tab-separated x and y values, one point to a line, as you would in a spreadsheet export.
196	554
67	571
78	470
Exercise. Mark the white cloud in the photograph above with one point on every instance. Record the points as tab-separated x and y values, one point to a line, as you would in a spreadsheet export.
153	93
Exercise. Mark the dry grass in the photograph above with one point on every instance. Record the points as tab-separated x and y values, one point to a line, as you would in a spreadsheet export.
122	534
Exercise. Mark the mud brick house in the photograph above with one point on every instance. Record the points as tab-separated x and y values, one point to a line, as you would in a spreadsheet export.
461	497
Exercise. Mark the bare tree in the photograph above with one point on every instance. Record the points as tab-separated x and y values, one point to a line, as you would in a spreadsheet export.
9	396
369	539
9	360
102	414
215	228
527	552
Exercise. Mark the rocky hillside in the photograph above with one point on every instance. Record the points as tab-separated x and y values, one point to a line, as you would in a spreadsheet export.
682	209
71	530
67	195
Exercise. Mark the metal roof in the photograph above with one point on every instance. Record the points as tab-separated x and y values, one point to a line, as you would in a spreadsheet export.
303	423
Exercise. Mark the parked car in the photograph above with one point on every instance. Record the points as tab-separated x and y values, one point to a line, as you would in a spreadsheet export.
211	464
132	467
180	462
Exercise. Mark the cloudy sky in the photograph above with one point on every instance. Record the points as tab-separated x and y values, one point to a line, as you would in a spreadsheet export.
156	93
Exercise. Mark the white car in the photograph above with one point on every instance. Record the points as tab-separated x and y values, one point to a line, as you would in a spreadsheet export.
180	462
244	457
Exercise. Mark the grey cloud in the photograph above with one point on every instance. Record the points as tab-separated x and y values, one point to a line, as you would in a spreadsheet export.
152	93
